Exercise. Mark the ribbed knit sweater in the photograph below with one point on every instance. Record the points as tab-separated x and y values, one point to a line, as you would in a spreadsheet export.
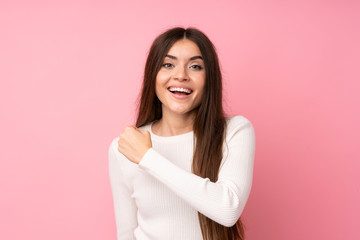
159	198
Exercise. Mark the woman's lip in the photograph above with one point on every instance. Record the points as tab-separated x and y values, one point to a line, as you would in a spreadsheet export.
179	96
179	86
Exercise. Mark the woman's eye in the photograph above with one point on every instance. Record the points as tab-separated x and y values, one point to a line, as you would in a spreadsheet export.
196	67
167	65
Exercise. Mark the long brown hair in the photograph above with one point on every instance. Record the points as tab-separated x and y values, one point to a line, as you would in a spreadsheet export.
209	124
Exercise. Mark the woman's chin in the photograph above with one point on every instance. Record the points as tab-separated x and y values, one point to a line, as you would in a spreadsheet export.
183	112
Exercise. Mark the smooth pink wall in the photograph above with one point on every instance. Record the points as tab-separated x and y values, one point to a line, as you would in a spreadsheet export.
70	73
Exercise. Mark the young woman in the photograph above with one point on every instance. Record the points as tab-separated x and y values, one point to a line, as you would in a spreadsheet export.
185	170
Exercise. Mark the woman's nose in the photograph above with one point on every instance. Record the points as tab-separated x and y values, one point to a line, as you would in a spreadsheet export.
181	73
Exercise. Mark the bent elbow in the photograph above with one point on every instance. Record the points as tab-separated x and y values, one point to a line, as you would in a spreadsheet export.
229	215
231	219
231	223
231	209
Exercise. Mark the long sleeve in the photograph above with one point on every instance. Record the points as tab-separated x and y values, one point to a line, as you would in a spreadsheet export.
222	201
124	205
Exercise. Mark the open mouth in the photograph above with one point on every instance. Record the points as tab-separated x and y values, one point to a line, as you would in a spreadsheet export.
180	91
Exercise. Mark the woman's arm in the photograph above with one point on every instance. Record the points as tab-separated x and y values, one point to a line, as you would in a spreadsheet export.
124	205
224	200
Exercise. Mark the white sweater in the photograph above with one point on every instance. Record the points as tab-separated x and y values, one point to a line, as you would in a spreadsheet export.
159	198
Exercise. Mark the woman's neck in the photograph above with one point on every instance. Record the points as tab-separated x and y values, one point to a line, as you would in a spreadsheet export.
172	125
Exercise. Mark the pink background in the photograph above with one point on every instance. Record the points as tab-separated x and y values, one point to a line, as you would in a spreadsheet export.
70	74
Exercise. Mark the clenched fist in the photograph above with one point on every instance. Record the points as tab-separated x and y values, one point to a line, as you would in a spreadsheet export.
134	143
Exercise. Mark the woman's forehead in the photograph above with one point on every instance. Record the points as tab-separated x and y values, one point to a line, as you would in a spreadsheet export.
184	48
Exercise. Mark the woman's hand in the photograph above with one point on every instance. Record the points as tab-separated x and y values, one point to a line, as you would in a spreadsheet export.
134	143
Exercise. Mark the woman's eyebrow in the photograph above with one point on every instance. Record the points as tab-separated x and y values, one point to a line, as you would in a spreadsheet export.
196	57
192	58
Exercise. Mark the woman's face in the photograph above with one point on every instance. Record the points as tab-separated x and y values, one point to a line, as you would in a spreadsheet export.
181	79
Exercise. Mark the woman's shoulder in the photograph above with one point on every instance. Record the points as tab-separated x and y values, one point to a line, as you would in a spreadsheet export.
114	144
238	123
114	141
116	156
146	126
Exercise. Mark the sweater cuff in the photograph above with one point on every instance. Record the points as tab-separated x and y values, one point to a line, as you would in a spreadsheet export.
158	166
149	159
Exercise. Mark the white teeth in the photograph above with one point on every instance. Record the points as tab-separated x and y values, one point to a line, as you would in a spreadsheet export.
180	90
